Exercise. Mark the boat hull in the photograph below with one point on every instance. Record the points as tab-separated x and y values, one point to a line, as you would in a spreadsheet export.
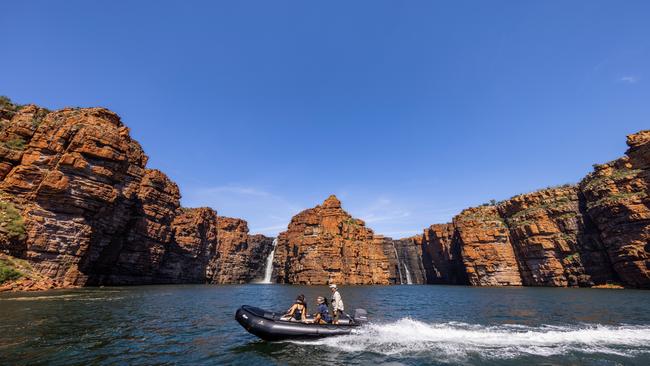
268	326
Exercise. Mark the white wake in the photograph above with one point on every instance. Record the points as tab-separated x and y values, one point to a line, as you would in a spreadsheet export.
459	340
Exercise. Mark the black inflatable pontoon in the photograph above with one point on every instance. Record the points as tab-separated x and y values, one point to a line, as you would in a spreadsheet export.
269	326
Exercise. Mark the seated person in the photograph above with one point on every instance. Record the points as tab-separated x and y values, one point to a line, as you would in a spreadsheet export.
323	314
298	310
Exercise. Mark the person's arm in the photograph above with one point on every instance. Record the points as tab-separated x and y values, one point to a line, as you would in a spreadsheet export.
291	310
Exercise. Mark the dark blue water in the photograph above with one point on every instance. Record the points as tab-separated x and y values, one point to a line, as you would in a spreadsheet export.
412	325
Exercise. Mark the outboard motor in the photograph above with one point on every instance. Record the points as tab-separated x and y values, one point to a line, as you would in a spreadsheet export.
360	316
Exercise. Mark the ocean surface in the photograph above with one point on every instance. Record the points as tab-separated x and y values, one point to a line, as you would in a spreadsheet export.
410	325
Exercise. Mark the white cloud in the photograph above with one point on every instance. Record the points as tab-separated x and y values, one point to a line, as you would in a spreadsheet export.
629	79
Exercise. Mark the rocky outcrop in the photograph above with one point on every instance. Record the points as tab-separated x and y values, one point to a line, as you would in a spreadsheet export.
325	244
486	249
409	260
617	200
81	207
441	256
555	242
241	258
593	234
78	206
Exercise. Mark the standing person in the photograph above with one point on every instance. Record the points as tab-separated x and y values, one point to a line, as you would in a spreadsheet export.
337	303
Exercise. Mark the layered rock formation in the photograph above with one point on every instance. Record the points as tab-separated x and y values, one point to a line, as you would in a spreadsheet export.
78	206
325	244
486	250
592	234
557	245
441	256
409	260
83	209
617	199
241	257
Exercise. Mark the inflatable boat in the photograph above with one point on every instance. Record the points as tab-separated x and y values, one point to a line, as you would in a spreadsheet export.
271	326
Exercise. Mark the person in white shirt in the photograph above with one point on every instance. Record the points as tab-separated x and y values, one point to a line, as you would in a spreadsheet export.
337	303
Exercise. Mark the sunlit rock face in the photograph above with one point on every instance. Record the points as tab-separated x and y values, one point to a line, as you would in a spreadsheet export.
325	244
554	240
617	200
80	207
90	211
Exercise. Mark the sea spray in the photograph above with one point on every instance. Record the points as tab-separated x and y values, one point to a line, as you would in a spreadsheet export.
454	340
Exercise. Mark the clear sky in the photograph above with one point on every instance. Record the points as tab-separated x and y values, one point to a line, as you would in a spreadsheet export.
409	111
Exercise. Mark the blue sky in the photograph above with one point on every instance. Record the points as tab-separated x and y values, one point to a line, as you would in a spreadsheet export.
408	111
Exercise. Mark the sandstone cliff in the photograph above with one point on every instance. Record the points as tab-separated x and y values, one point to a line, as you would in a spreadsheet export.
591	234
325	244
617	200
241	257
79	205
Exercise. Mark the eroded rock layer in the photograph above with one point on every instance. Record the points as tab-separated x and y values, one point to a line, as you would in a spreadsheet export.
325	244
555	242
441	256
241	257
79	205
617	200
486	249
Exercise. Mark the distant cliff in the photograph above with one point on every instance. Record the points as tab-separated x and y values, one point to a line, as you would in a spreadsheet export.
592	233
79	206
325	244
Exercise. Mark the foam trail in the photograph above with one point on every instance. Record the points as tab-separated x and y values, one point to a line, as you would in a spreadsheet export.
459	340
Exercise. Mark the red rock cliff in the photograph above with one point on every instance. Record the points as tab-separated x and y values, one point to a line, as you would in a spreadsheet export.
83	209
617	200
325	244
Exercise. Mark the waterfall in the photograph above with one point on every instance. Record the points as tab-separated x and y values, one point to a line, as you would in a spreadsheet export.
409	281
399	269
268	271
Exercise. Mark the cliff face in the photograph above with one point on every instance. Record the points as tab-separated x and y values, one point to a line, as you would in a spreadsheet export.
409	261
555	242
441	256
590	234
241	257
617	200
486	249
83	209
325	244
78	206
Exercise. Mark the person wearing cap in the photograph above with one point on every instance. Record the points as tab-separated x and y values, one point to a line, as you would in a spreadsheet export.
323	314
337	303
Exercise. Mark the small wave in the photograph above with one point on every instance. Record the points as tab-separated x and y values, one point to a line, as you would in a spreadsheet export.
46	297
460	340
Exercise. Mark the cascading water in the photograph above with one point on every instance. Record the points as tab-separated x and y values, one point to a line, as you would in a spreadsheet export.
409	281
399	269
268	271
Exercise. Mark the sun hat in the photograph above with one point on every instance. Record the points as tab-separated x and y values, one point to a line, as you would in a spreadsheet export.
333	286
320	299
